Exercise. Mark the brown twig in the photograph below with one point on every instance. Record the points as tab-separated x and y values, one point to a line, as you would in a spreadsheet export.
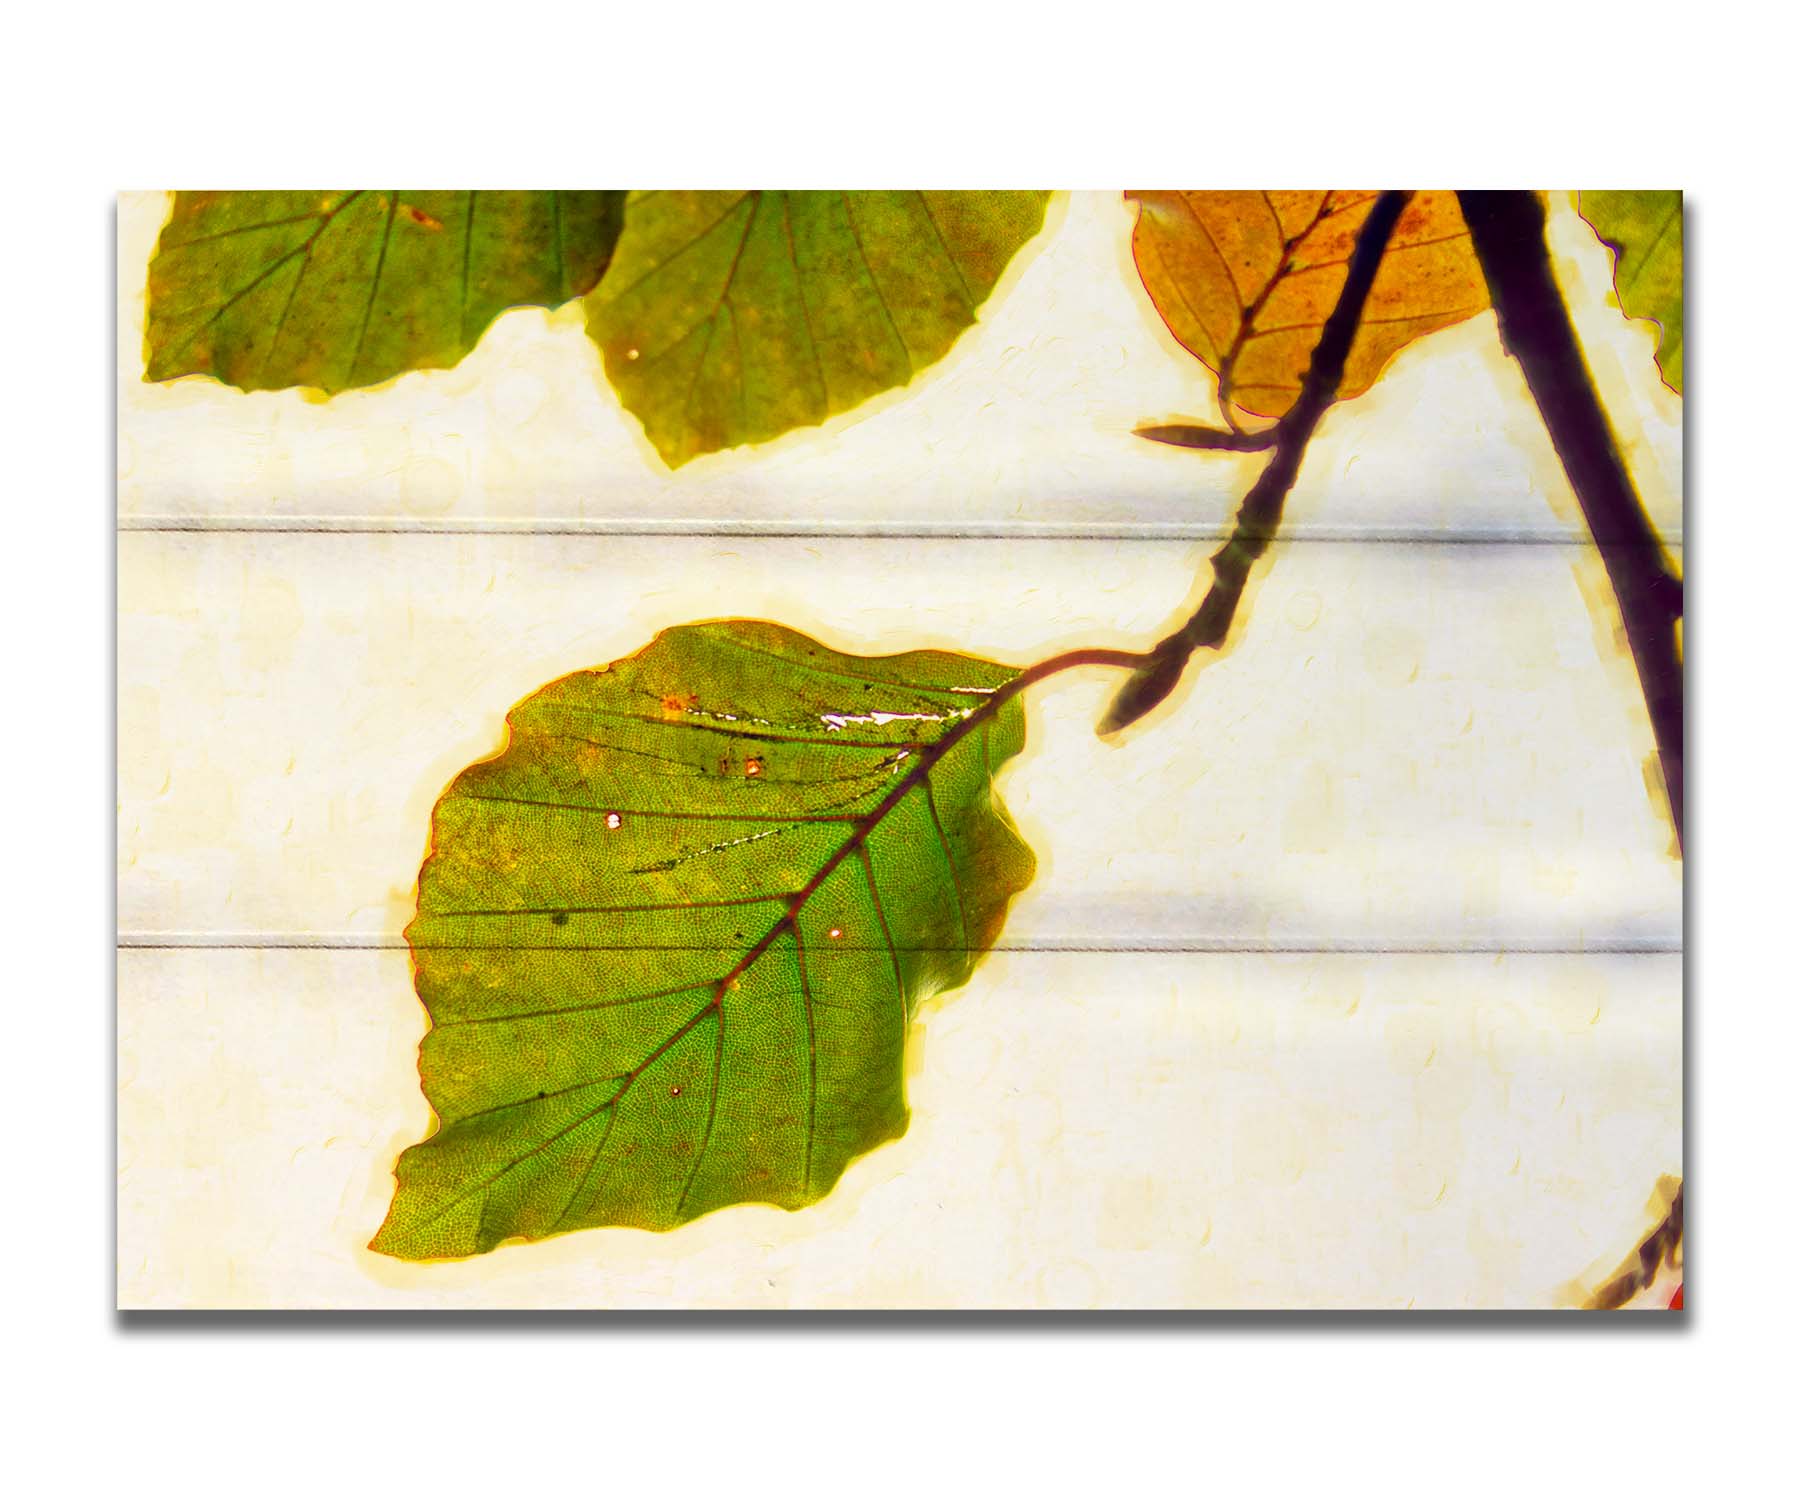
1260	513
1508	230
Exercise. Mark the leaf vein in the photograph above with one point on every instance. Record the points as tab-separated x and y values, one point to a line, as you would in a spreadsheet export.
569	1010
875	285
387	234
956	886
812	1056
712	1106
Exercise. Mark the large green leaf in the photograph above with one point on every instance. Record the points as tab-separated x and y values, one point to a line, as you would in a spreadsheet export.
672	936
340	289
1643	229
731	318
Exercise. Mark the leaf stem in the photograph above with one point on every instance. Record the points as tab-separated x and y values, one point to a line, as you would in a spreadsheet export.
1260	514
1218	439
1508	230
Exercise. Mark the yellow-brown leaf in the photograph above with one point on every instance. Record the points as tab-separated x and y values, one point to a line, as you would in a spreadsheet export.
1245	281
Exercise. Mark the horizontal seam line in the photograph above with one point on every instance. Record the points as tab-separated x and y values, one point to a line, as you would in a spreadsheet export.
1150	531
1602	948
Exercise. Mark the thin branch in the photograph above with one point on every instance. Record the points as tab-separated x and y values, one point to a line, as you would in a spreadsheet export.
1260	514
1508	230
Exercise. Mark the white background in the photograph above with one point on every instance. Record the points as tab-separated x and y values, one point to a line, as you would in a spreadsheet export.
243	98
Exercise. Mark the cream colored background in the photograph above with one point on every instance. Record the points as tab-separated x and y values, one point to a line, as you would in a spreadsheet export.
1414	745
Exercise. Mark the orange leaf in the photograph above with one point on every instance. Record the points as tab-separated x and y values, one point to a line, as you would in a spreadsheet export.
1245	281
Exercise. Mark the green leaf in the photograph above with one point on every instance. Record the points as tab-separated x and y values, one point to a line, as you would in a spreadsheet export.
731	318
672	936
339	289
1643	230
